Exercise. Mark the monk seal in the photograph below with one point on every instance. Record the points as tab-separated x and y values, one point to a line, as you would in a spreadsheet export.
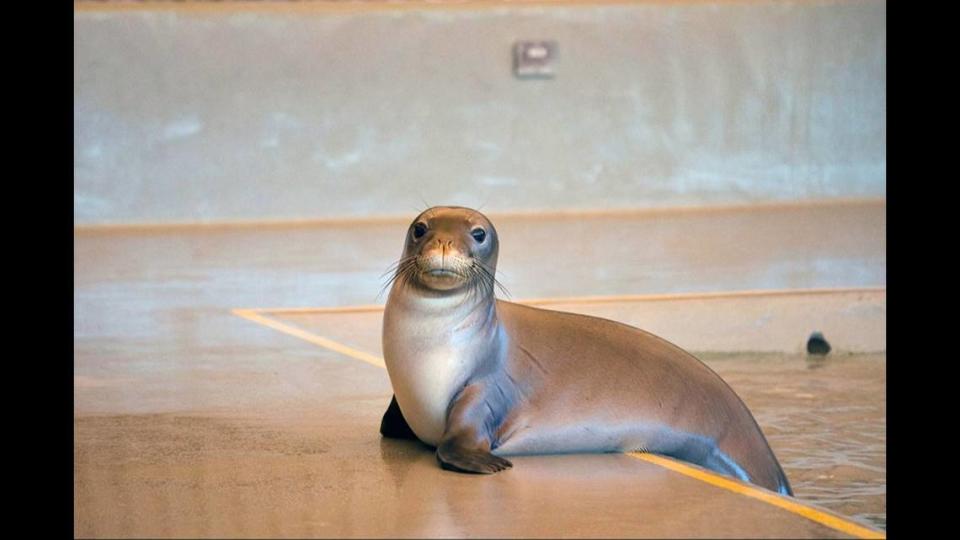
481	378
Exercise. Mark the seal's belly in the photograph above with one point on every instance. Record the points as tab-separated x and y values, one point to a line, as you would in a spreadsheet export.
584	435
578	437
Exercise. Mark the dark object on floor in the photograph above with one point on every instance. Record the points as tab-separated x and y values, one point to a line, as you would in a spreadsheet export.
817	344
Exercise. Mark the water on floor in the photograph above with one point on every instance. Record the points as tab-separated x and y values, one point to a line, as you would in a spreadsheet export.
825	418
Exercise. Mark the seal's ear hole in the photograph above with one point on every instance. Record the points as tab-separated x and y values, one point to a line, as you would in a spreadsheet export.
478	234
419	230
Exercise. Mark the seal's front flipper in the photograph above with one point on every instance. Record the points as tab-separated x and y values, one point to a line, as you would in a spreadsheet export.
394	425
461	459
466	442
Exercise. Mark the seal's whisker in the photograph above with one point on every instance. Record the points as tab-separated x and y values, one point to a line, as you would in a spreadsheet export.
394	266
489	278
489	274
388	283
404	268
484	282
386	286
489	268
502	288
426	205
479	281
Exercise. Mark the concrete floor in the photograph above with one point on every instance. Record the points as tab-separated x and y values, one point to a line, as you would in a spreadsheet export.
191	421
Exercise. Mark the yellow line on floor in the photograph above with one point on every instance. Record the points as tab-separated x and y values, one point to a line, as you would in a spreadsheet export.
768	497
606	299
332	309
700	295
307	336
780	501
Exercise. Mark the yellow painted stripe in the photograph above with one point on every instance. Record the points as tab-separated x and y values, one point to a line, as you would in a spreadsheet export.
307	336
785	503
780	501
699	296
321	310
607	299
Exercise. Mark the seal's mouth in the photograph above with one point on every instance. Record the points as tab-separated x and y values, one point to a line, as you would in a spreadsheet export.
453	268
443	272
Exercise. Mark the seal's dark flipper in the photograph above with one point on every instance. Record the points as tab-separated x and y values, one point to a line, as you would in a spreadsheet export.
460	459
394	425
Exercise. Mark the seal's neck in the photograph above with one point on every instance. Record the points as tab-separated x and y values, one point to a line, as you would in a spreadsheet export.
462	309
460	320
432	345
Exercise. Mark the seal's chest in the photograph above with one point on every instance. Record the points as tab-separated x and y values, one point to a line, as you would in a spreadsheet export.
425	380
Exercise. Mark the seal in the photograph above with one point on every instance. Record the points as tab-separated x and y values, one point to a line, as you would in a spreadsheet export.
481	378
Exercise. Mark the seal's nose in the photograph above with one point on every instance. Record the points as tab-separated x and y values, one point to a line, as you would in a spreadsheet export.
442	244
446	245
443	252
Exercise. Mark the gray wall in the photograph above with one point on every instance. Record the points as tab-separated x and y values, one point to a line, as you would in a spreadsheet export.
185	114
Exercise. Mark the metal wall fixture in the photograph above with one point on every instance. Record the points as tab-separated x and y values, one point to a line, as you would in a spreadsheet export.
534	59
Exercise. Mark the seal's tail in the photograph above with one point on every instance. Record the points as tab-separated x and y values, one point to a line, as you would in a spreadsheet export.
756	464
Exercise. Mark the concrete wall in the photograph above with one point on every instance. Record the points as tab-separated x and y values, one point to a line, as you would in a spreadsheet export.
287	111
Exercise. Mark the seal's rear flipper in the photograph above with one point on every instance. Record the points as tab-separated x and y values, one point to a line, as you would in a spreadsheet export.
394	425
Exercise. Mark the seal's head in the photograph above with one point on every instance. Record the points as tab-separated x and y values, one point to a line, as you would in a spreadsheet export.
449	249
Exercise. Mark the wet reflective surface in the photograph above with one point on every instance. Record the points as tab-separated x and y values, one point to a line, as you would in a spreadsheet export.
178	475
825	418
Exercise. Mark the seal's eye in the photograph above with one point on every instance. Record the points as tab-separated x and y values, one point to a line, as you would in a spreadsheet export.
419	230
478	234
